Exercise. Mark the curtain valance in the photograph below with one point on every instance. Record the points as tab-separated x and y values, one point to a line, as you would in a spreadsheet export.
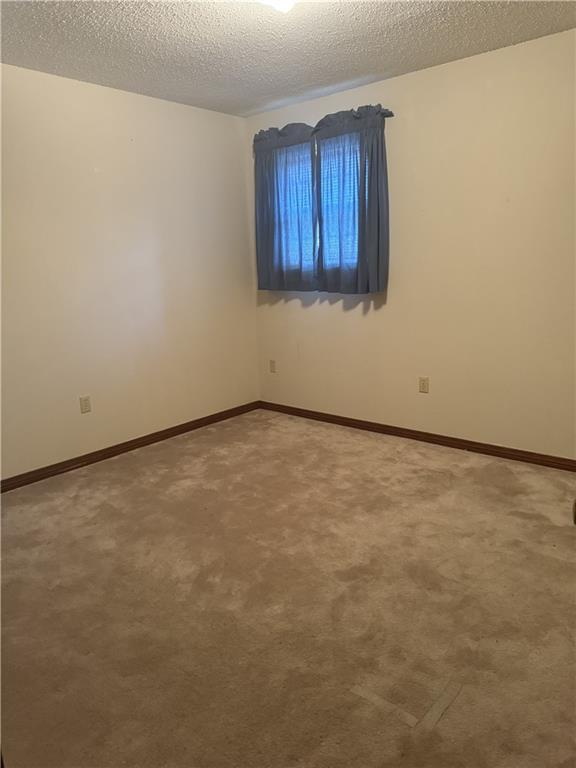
331	125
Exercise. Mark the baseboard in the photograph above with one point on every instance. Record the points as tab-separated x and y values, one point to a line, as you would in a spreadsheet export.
115	450
557	462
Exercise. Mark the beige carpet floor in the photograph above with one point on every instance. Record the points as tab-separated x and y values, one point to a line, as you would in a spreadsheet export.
272	592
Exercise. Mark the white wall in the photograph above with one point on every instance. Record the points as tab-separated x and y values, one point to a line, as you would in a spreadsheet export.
481	294
125	267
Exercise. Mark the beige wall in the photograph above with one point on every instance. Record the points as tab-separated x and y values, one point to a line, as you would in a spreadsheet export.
481	293
128	269
125	272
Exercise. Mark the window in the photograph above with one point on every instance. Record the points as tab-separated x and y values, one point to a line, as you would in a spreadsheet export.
339	162
294	231
322	204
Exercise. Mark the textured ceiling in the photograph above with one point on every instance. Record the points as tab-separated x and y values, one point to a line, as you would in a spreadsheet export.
243	58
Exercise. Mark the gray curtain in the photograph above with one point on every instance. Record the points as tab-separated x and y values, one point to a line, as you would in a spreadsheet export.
322	204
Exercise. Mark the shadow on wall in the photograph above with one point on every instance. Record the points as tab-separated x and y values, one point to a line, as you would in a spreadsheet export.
349	301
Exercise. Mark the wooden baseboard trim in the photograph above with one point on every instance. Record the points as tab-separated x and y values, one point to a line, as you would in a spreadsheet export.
515	454
557	462
10	483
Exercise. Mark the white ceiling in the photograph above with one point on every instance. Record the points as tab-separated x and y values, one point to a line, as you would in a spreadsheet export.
244	58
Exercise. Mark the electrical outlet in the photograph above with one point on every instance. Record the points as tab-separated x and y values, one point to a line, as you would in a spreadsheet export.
85	404
272	366
424	385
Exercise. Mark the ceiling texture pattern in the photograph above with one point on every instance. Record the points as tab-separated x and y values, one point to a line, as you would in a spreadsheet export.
244	58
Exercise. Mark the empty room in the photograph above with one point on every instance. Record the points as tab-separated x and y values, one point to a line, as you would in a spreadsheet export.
288	384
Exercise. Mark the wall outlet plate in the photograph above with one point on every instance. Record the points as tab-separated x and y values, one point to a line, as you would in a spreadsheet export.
424	385
85	404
